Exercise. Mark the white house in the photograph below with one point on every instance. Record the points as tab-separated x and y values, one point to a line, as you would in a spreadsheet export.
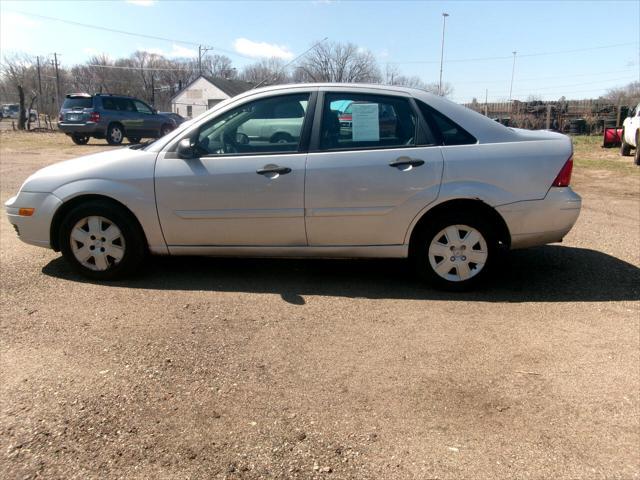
204	92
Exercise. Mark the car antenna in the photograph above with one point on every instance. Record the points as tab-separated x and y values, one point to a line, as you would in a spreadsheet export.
292	61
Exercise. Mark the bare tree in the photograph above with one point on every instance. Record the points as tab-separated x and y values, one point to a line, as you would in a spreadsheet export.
338	62
17	71
270	71
218	66
629	95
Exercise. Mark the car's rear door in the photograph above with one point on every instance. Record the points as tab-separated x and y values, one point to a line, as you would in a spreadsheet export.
367	180
237	191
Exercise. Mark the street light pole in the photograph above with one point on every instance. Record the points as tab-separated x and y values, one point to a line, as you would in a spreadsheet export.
444	21
513	71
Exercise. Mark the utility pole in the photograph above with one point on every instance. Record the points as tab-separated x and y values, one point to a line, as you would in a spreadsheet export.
486	102
201	52
39	90
55	65
444	22
513	71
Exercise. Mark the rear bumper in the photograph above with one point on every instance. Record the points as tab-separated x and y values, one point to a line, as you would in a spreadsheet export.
539	222
89	128
34	230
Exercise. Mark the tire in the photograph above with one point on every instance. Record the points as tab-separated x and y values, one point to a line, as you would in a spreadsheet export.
86	239
165	130
636	158
80	139
455	235
134	140
281	138
625	148
115	134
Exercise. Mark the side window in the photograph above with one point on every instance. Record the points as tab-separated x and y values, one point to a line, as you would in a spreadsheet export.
108	103
451	132
268	125
124	104
351	120
142	108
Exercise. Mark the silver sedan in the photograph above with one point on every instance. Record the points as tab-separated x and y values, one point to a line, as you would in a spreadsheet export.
332	170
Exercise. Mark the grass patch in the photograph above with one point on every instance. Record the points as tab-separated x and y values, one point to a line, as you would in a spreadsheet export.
589	154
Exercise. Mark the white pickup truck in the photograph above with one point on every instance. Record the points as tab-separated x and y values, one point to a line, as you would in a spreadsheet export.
631	134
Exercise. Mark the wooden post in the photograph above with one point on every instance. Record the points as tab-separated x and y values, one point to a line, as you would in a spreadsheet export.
619	113
548	116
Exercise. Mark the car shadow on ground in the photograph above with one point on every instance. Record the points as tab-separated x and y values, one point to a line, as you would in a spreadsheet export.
544	274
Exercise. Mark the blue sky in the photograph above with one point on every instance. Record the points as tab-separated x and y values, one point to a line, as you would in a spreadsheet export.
556	41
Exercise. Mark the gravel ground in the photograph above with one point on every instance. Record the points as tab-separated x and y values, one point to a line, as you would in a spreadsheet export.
209	368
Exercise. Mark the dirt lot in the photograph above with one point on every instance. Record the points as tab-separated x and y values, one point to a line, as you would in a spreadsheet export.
205	368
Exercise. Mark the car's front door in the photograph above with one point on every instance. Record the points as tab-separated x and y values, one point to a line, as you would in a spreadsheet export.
236	191
371	174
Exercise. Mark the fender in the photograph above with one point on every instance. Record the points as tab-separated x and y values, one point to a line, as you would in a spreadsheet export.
139	197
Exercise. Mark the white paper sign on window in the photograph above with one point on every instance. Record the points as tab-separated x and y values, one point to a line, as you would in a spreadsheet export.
365	122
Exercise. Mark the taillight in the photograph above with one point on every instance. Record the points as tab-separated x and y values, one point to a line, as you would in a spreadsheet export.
94	117
564	177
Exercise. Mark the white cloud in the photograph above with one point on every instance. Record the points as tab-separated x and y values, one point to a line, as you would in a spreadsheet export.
141	3
176	51
179	51
261	49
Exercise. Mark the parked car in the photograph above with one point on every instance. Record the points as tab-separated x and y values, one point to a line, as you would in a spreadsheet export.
112	117
449	188
12	110
177	119
280	122
631	134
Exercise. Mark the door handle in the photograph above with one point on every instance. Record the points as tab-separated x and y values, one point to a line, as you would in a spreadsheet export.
271	169
404	162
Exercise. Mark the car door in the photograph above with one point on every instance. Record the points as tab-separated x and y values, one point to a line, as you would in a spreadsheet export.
130	118
235	191
634	124
367	178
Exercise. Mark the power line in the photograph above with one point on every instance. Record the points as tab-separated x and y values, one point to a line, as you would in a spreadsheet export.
124	32
535	79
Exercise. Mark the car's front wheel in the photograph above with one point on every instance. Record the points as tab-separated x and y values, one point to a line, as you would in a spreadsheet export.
134	140
625	148
165	130
101	240
454	252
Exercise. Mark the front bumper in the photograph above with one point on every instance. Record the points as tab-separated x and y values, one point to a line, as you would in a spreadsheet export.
34	230
539	222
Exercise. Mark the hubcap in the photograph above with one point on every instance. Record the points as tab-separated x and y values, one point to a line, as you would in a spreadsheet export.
116	134
97	243
458	253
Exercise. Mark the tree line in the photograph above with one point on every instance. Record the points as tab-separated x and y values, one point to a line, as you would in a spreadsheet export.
34	82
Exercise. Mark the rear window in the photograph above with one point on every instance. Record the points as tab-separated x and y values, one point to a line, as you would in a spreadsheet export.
451	132
78	102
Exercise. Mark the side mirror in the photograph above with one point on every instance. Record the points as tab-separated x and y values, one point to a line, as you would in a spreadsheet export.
185	149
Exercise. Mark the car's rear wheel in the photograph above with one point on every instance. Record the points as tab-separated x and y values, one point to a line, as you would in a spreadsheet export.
101	240
80	139
625	148
455	252
134	140
115	134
